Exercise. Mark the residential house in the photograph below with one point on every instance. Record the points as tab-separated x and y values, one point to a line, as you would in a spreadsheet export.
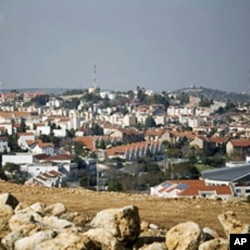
219	142
190	188
50	179
129	120
18	158
23	138
195	121
127	135
134	151
42	129
201	142
153	134
160	119
239	147
174	136
39	147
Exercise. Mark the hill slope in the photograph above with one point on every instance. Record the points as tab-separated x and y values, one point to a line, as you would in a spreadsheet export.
163	212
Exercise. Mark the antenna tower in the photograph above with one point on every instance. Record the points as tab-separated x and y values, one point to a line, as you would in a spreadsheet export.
94	76
1	84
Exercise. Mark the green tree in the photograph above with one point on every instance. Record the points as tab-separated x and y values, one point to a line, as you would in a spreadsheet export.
102	144
96	129
115	185
150	122
3	175
23	126
11	167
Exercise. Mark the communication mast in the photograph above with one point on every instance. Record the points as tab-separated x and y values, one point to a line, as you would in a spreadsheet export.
1	85
94	76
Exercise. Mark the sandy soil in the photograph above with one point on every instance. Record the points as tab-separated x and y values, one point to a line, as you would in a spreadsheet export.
163	212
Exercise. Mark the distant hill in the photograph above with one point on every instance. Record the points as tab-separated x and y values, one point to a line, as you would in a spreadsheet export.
55	91
217	95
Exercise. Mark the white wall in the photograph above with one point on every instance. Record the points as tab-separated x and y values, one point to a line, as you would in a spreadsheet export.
59	132
45	130
17	159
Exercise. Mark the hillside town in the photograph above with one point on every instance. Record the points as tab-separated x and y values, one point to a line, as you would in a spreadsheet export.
165	144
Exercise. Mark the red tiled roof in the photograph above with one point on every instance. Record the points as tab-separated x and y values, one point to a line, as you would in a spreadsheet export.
216	139
241	143
60	157
154	132
194	187
55	173
40	156
122	149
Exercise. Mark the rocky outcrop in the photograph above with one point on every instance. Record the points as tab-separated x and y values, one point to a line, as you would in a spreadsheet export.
41	227
232	225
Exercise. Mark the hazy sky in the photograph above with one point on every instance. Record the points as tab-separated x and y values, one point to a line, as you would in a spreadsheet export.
156	44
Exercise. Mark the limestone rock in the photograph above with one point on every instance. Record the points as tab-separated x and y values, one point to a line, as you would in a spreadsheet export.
232	225
184	236
25	219
103	239
76	218
150	234
6	213
56	209
209	234
123	223
68	239
39	208
8	199
9	240
154	246
215	244
56	223
29	243
20	207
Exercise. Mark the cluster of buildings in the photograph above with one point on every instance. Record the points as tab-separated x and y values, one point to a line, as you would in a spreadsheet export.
224	183
46	164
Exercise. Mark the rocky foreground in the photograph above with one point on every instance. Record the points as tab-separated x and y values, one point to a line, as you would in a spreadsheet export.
41	227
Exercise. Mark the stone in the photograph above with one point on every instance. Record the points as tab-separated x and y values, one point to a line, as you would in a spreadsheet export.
184	236
68	239
6	212
103	239
154	246
8	199
26	220
29	243
76	218
232	225
9	240
56	209
215	244
55	222
39	208
122	223
209	234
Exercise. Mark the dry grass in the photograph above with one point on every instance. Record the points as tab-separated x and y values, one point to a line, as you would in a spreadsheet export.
163	212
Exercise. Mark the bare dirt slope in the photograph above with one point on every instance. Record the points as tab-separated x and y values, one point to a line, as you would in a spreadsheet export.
163	212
